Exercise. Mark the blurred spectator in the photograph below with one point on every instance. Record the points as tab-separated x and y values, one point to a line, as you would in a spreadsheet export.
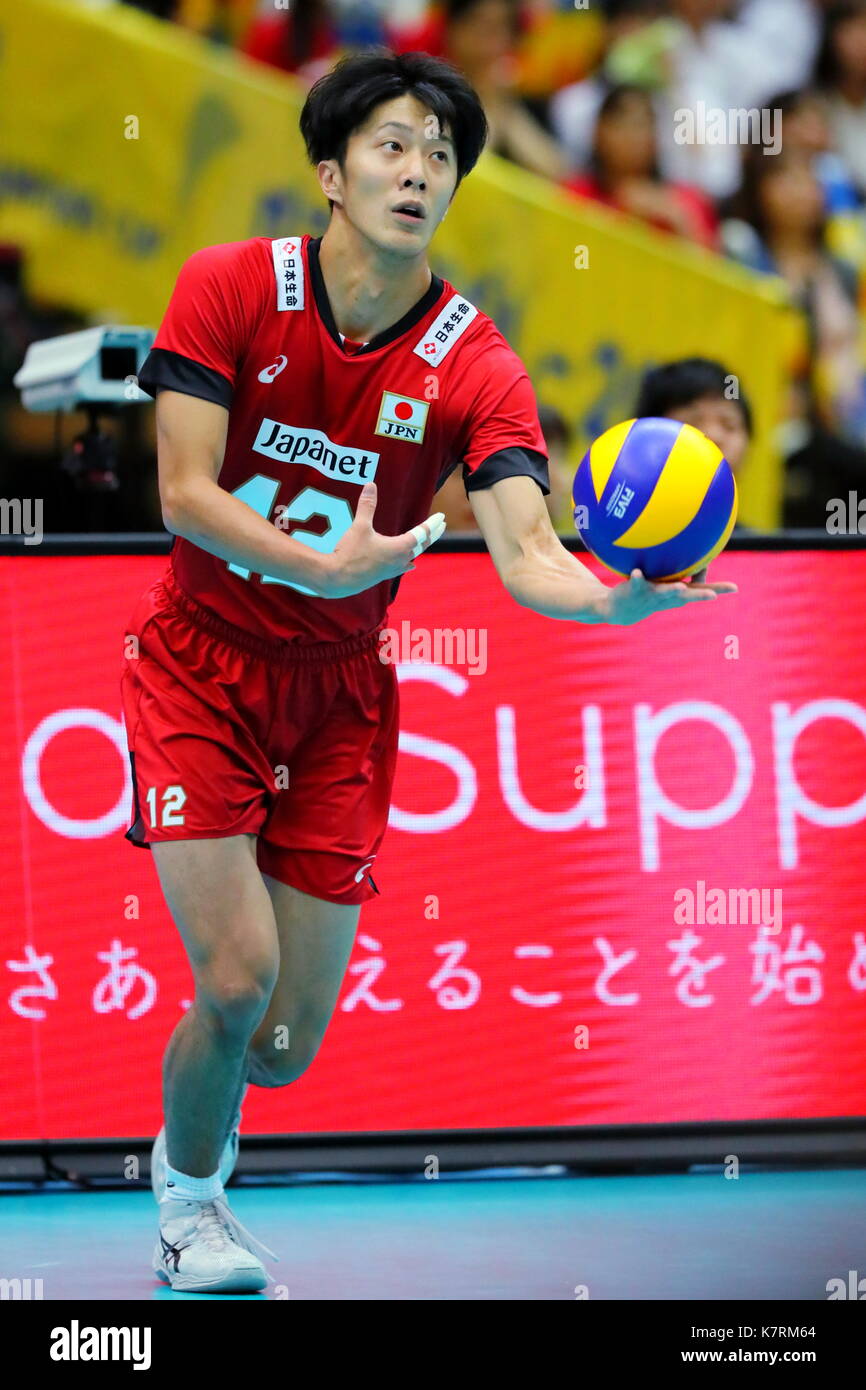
703	393
841	73
779	227
806	130
624	174
574	108
695	57
302	40
480	38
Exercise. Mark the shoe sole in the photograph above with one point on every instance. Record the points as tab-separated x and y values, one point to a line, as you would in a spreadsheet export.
242	1281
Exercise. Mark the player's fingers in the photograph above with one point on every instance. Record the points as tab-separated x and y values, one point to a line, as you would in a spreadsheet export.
714	590
366	504
427	532
690	595
406	548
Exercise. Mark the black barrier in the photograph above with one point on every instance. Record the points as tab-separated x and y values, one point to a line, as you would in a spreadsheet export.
459	542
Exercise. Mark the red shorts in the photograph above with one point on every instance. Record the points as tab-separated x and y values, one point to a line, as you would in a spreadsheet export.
230	734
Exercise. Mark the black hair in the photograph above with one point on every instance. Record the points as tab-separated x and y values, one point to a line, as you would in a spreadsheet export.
616	95
339	103
454	10
827	66
675	384
746	204
790	101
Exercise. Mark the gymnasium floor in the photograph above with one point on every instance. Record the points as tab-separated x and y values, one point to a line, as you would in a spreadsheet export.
766	1235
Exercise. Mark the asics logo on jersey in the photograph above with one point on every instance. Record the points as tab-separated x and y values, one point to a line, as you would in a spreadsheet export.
298	444
267	374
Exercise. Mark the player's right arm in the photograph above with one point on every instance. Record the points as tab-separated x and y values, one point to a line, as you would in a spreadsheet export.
191	440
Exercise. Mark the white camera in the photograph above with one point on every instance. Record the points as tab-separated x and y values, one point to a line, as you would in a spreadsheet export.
96	367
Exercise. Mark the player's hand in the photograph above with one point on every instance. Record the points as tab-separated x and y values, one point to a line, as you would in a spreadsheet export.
363	557
638	597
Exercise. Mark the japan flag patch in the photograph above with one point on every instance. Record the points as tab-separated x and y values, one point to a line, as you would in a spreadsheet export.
402	417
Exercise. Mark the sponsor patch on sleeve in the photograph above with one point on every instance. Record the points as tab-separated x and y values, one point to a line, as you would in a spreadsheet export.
444	331
289	270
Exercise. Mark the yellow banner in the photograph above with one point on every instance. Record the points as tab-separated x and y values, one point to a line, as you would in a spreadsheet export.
127	143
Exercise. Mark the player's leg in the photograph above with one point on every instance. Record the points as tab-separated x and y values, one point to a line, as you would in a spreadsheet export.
315	942
223	911
321	837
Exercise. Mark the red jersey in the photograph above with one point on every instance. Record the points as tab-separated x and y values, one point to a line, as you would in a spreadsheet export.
312	418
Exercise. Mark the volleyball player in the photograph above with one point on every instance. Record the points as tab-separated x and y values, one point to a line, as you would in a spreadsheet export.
312	395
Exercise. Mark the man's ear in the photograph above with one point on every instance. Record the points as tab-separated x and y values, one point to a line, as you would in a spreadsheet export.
330	181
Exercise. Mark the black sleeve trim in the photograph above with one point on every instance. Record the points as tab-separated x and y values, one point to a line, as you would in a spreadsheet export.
165	370
510	463
446	474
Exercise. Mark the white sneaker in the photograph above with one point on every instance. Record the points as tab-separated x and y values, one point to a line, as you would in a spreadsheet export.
203	1248
228	1159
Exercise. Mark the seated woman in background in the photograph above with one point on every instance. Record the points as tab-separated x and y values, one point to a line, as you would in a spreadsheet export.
807	131
778	226
623	171
840	73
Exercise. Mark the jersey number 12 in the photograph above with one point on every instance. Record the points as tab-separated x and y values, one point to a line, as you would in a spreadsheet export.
260	492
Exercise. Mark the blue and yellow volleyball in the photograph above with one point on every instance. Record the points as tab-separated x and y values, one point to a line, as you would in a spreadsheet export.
655	495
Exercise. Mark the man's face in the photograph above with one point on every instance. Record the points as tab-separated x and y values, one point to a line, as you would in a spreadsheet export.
721	421
399	155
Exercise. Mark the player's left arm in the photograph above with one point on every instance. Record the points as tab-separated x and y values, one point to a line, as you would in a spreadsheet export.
541	574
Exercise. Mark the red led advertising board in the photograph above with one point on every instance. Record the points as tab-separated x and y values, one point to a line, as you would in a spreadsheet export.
622	883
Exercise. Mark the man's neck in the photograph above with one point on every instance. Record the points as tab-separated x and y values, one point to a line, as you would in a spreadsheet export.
368	291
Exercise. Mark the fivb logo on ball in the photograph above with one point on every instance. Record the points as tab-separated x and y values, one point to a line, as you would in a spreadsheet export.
402	417
619	501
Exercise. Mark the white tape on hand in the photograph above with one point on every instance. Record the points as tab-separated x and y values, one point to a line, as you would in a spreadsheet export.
435	525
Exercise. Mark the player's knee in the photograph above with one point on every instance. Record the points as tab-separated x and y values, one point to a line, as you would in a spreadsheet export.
272	1065
234	1001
